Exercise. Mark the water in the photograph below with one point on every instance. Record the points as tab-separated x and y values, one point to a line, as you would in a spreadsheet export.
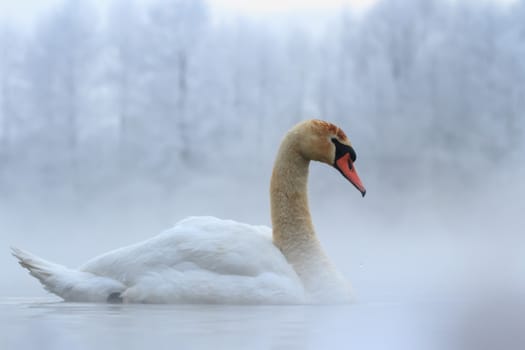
46	323
449	277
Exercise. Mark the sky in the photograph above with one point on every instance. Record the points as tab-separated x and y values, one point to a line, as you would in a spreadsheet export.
24	11
256	7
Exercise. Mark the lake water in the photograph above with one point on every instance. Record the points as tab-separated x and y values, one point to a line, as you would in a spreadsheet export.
430	279
46	323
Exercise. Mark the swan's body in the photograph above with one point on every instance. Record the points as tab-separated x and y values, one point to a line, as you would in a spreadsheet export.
200	260
208	260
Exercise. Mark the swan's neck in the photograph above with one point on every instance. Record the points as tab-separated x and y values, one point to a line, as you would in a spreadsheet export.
289	201
293	232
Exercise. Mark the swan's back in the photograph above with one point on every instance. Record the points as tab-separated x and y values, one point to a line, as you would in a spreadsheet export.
203	260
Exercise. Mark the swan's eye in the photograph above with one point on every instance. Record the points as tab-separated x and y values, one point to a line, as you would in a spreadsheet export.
342	149
353	155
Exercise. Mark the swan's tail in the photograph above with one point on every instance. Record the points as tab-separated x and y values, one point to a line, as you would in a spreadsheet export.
69	284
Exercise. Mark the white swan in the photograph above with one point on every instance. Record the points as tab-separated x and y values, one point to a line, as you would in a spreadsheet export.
208	260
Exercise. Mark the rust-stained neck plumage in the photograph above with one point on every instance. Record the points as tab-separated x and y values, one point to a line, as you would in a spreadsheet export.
293	231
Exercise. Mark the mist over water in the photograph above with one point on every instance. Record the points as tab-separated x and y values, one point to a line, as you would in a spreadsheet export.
114	125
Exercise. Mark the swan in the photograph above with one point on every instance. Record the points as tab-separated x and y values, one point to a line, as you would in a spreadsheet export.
209	260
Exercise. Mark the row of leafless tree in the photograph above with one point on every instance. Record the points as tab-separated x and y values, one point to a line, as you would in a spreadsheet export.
161	91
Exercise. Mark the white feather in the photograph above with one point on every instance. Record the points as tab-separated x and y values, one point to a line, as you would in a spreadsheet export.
200	260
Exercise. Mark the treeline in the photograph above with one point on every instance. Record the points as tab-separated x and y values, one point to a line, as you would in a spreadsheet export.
158	92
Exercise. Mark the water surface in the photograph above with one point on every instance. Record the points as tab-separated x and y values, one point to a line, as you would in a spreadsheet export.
46	323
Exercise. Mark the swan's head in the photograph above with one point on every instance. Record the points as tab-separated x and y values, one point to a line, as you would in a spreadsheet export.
325	142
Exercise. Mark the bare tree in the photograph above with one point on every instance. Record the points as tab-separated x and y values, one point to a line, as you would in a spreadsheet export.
64	59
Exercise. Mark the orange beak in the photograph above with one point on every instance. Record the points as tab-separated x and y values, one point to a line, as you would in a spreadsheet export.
345	165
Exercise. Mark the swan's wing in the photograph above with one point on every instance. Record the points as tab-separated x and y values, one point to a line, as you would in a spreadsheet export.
203	259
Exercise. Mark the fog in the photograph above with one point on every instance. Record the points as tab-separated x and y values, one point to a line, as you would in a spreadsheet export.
116	124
